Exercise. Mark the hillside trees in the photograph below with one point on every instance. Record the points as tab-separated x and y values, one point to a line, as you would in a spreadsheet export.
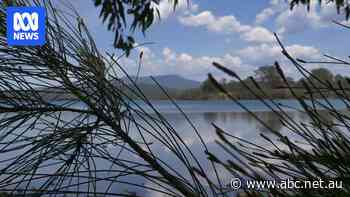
208	87
268	76
322	74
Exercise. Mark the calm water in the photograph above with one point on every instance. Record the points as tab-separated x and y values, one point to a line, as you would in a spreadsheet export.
215	106
228	116
225	114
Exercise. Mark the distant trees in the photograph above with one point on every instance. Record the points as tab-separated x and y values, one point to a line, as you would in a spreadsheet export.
341	80
339	77
268	78
208	87
319	77
309	148
321	74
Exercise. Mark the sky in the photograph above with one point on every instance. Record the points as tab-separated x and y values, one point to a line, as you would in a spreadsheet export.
234	33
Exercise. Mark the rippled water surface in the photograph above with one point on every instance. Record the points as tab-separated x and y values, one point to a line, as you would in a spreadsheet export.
203	114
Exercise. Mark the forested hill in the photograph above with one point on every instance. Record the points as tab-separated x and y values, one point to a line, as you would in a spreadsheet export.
167	81
174	85
266	77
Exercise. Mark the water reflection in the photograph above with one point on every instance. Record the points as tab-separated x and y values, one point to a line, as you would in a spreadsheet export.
237	123
242	118
240	124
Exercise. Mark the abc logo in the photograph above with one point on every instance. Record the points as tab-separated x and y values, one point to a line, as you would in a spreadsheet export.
25	26
33	21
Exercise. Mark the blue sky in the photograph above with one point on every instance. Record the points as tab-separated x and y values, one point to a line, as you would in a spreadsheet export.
238	34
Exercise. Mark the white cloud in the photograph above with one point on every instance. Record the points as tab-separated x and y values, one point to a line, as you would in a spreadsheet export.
246	60
193	67
189	65
300	51
258	34
166	7
204	18
299	19
147	53
258	53
276	6
276	2
185	58
243	61
296	20
168	55
271	53
264	15
227	24
184	64
267	54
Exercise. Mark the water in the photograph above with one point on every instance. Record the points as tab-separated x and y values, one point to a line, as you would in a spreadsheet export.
203	114
219	106
231	118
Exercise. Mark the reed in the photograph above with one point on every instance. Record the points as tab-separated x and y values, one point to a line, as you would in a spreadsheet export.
104	136
314	148
63	148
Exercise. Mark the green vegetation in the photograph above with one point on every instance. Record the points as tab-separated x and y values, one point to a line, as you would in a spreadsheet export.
116	13
342	6
142	13
100	132
322	146
267	78
62	148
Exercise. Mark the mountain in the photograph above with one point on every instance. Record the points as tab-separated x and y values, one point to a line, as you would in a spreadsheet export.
173	85
168	81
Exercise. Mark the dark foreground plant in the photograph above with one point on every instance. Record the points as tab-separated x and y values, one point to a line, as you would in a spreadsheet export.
98	142
102	140
315	148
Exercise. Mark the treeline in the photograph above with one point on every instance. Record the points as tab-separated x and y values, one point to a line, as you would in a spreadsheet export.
268	79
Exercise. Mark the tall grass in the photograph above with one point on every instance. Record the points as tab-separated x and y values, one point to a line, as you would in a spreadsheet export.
315	148
57	148
103	140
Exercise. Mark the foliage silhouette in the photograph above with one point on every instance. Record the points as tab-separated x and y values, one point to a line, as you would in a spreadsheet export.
142	15
341	5
95	144
60	146
313	149
118	12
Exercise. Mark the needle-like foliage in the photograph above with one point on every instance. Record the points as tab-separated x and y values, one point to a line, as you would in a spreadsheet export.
98	142
314	148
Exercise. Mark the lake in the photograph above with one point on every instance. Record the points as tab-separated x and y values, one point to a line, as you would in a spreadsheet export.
225	114
231	118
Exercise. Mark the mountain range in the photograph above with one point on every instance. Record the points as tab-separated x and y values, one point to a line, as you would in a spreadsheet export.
166	81
173	84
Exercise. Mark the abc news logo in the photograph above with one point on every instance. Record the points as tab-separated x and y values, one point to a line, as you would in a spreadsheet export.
25	26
